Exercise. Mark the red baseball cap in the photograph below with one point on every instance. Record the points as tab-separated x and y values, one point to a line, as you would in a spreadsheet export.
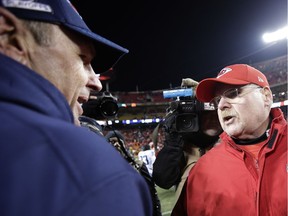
237	74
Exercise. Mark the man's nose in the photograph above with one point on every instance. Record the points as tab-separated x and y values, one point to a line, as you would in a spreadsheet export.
94	82
224	102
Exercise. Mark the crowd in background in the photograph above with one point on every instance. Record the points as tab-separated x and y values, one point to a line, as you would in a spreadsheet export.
274	69
140	136
154	105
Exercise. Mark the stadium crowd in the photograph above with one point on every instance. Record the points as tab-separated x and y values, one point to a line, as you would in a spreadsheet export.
274	69
152	104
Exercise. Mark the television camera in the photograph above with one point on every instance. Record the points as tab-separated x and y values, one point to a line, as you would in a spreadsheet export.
183	112
101	107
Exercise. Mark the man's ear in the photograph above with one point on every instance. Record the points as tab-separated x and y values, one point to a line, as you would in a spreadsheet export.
268	96
12	35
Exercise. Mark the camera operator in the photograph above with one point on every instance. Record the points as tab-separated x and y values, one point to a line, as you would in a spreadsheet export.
105	107
184	143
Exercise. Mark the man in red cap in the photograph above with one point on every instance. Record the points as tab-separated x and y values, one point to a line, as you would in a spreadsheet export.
246	173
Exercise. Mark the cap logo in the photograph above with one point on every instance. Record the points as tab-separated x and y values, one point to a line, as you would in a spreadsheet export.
27	4
260	79
223	71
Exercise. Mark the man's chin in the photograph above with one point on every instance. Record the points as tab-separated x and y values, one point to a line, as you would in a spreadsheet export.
77	122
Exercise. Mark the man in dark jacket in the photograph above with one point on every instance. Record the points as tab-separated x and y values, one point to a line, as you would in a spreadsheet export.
50	166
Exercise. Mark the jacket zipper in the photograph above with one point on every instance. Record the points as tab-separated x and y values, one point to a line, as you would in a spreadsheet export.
256	162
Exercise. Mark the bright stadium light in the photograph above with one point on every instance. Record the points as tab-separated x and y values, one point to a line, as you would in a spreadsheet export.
275	36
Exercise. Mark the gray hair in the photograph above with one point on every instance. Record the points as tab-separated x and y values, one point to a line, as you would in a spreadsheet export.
41	31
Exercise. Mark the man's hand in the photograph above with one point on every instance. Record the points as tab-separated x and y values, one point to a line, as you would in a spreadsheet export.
188	82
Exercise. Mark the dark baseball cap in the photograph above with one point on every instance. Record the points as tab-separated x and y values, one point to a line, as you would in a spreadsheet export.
62	12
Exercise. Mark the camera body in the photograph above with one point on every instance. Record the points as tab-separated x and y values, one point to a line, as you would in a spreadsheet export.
103	107
185	108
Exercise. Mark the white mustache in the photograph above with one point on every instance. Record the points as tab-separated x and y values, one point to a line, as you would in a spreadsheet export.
227	113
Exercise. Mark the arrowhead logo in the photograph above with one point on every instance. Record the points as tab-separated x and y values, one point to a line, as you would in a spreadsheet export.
223	71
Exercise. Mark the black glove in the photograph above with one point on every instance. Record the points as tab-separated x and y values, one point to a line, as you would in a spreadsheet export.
169	162
169	124
172	137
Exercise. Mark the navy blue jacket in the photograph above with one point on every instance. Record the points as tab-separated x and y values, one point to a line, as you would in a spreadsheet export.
49	166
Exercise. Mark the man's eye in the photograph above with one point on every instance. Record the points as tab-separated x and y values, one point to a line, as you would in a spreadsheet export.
233	93
85	59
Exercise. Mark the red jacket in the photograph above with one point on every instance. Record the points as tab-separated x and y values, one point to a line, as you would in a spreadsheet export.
225	181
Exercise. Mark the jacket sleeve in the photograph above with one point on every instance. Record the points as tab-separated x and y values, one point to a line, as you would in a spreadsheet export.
169	162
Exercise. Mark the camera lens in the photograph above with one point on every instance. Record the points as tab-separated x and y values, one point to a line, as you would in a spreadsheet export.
109	108
187	123
101	108
184	123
